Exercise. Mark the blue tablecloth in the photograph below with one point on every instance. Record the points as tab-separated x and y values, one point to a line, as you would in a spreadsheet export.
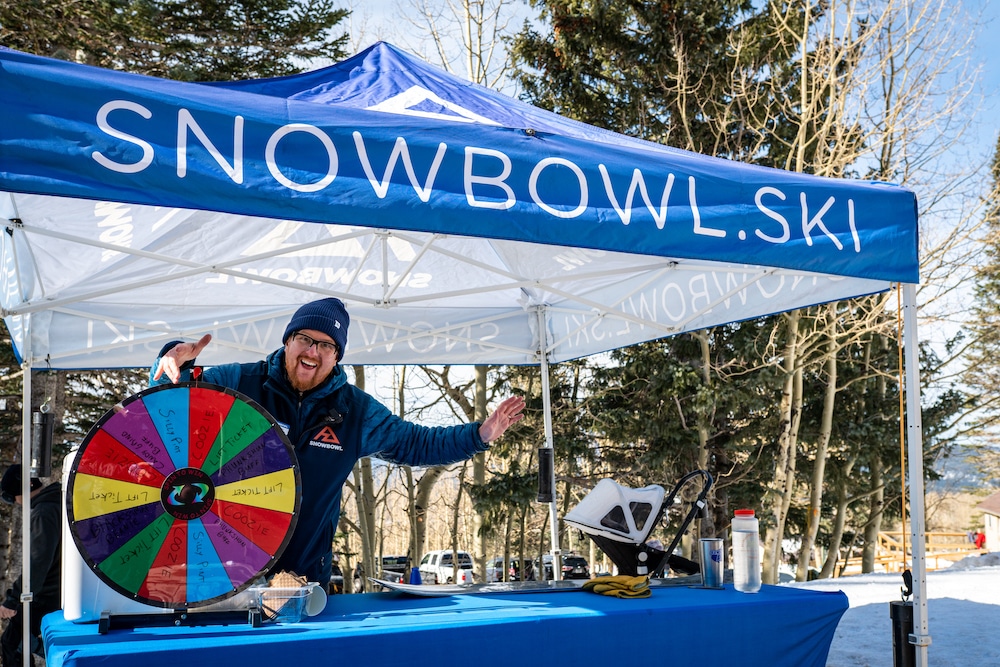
676	625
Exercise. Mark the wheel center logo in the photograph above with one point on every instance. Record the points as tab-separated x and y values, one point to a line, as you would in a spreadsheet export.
187	493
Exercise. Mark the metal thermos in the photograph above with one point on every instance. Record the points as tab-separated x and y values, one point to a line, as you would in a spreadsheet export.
713	562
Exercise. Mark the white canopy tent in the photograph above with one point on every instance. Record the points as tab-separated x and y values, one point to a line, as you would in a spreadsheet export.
458	225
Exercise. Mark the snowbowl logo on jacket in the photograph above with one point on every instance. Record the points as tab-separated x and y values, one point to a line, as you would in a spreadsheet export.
326	438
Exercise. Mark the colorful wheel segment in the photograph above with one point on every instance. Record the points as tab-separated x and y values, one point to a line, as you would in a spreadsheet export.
183	495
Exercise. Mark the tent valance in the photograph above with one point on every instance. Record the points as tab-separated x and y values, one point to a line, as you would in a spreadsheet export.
447	215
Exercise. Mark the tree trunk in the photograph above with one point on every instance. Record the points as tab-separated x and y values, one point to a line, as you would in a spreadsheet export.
874	524
790	479
364	485
415	511
837	534
705	527
508	535
776	493
425	487
822	447
479	472
416	517
455	517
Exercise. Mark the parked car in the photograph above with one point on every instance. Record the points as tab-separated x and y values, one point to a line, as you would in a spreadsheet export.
394	568
544	568
438	567
573	567
514	571
494	569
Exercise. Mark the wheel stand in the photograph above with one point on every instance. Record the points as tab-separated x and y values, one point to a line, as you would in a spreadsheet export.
180	618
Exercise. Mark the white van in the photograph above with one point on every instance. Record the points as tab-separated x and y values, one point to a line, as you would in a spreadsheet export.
438	567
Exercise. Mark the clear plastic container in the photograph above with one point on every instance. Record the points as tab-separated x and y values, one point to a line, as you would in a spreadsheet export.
281	604
746	551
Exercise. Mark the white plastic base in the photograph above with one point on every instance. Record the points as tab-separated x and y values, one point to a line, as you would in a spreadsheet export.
84	595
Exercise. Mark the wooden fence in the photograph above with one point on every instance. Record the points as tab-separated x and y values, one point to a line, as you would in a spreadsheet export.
942	549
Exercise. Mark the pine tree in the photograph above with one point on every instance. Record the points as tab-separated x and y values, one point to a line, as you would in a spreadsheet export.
983	374
196	41
665	72
10	397
189	40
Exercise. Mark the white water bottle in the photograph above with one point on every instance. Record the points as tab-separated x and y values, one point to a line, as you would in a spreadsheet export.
746	552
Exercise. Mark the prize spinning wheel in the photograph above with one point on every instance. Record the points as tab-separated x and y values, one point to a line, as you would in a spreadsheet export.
183	495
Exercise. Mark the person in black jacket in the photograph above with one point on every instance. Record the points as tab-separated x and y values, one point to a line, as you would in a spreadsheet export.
46	565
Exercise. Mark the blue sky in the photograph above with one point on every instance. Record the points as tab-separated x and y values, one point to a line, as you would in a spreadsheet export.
988	52
381	18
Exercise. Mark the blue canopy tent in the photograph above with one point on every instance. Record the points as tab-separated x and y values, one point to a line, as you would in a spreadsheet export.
458	225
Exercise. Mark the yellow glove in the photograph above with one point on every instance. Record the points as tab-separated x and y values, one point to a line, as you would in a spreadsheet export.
620	581
621	586
644	593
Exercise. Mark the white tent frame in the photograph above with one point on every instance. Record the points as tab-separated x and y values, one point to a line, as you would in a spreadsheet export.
921	637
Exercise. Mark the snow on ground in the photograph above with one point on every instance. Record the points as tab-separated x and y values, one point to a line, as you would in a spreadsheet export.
963	610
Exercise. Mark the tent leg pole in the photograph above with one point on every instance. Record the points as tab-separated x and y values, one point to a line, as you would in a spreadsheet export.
26	591
547	416
918	540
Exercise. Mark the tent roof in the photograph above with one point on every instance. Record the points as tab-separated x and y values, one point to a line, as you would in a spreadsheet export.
453	221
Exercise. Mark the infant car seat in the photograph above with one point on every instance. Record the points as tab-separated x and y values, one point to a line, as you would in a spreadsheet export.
620	520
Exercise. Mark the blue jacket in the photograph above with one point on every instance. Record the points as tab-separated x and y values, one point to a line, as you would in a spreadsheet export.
361	427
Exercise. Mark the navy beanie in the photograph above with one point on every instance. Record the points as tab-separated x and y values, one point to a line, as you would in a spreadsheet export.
10	485
326	315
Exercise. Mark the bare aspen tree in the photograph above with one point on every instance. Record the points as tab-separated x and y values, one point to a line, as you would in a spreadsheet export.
466	35
823	442
364	497
469	32
875	90
784	468
479	471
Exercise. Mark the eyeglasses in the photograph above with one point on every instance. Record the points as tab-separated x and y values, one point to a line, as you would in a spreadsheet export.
325	348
